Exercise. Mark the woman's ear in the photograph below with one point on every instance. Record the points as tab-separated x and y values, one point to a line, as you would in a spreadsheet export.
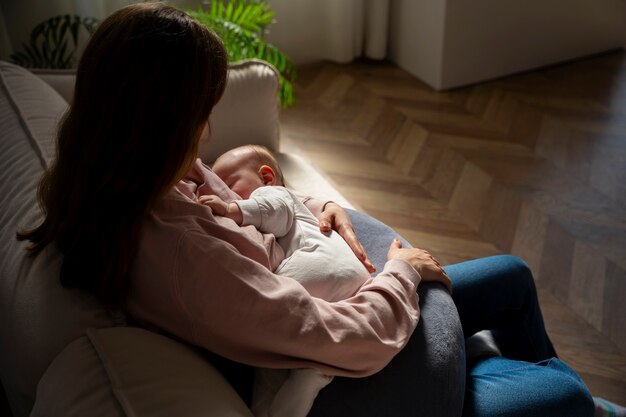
267	174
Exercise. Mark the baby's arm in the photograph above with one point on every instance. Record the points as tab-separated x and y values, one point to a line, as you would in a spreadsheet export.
269	209
222	208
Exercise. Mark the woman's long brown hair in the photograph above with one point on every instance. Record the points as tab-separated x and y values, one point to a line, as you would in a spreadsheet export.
145	87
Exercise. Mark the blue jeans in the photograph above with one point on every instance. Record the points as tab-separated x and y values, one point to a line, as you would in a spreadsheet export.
498	293
502	387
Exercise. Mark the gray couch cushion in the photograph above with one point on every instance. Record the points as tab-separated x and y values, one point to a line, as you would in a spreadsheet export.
128	371
38	317
76	384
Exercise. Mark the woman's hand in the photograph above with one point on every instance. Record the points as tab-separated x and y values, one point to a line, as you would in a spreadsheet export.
423	262
334	217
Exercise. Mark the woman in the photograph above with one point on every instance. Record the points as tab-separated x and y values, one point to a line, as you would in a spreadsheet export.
121	202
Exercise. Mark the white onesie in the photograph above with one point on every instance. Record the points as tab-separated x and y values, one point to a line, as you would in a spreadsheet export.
323	263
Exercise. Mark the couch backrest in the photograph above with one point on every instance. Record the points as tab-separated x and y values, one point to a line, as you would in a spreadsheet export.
248	111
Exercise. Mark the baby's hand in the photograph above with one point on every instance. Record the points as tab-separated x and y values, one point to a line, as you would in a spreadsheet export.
222	208
217	205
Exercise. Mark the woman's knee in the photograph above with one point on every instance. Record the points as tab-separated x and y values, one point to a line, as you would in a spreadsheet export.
490	277
514	265
573	395
515	270
496	265
503	387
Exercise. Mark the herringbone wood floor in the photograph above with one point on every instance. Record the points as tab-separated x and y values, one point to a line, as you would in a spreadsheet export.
533	164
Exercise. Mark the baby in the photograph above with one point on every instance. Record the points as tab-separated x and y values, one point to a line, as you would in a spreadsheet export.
323	263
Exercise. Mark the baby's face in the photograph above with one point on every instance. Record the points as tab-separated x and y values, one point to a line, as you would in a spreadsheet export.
240	177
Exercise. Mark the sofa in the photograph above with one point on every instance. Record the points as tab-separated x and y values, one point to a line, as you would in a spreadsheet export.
62	354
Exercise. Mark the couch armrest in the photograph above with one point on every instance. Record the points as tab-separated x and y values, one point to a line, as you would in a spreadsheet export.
127	371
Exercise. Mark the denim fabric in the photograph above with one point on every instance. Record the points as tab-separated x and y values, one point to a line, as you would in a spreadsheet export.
498	293
502	387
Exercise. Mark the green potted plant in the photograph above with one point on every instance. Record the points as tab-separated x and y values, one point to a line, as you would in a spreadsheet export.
53	42
242	25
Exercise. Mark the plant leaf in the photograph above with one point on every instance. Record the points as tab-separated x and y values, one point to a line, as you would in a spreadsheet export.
34	55
74	26
60	60
20	58
228	15
241	24
49	45
238	11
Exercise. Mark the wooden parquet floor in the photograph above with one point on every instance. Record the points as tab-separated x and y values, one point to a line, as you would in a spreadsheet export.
533	164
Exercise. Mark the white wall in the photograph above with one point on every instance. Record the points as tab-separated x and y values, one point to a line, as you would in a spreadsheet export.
489	38
450	43
314	30
337	30
297	30
416	37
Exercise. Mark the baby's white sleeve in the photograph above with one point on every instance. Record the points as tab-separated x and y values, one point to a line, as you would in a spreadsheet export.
269	209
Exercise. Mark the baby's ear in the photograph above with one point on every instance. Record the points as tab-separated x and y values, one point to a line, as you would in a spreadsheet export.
267	174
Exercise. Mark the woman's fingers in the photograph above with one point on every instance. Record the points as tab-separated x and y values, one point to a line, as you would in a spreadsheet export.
424	263
395	246
347	232
359	251
334	217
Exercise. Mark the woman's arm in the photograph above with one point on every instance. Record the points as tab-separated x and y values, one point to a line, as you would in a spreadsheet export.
237	308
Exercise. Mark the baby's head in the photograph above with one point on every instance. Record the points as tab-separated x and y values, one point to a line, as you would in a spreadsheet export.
248	167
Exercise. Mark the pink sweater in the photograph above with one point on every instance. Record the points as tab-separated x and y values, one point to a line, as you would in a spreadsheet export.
208	281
